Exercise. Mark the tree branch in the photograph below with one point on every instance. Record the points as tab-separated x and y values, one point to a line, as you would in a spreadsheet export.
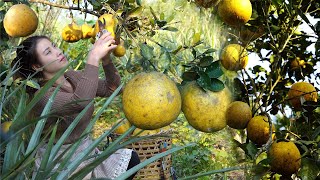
270	140
65	7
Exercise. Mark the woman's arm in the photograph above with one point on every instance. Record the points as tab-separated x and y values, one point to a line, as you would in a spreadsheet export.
111	82
107	85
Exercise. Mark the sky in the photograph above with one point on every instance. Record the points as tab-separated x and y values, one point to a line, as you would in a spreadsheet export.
304	27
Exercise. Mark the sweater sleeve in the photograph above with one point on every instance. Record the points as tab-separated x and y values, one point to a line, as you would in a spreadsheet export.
71	103
111	82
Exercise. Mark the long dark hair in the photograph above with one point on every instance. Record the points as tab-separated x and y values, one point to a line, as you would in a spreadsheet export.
27	57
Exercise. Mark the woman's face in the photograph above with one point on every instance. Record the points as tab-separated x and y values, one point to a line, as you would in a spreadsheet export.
50	57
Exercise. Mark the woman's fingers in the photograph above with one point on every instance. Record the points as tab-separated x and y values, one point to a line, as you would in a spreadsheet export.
112	47
110	42
105	35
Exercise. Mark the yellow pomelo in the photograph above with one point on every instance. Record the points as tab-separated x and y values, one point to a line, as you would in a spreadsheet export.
125	125
297	63
207	3
205	110
119	51
301	90
20	21
151	100
5	126
234	57
86	31
258	130
285	158
110	24
235	12
71	33
238	115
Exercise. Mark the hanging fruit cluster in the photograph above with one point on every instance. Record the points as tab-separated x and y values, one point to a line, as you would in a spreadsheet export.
73	32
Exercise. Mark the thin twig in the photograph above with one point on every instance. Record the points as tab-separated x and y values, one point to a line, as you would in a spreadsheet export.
271	89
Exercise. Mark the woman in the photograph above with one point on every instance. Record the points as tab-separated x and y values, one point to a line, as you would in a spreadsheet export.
39	54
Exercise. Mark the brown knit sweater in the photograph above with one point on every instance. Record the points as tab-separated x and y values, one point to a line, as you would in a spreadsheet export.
69	102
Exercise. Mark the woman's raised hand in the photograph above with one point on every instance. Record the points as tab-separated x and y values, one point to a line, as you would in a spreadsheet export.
101	48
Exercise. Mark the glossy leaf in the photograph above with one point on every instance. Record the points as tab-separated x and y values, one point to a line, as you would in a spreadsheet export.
189	76
214	70
146	51
169	28
209	51
206	61
216	85
135	12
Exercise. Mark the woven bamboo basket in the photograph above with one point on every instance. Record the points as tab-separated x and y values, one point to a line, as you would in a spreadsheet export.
146	148
159	169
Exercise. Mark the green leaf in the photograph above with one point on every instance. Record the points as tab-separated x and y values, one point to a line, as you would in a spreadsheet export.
206	61
161	23
204	80
259	171
171	17
45	158
194	52
216	85
33	84
272	58
34	141
309	169
96	4
196	38
258	68
214	70
138	2
154	14
277	2
251	149
265	162
161	16
10	155
307	142
178	49
189	76
146	51
135	12
209	51
316	132
169	28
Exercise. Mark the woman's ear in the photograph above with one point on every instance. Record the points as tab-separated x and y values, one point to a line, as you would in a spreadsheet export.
36	67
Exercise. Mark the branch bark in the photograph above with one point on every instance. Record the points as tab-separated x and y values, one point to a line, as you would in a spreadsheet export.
65	7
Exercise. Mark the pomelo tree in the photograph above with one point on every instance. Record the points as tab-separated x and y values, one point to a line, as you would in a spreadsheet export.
274	45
